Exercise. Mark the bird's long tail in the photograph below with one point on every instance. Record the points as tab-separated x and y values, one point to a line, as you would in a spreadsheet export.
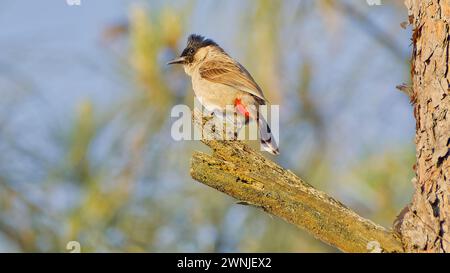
268	142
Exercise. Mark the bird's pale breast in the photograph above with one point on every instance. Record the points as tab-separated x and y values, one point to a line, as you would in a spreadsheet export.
214	96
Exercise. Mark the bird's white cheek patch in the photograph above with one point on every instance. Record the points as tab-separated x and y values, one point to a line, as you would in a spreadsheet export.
201	53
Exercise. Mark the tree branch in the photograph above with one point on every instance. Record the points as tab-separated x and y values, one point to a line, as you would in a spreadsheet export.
237	170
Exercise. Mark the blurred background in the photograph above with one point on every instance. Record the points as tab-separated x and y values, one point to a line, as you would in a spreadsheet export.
85	148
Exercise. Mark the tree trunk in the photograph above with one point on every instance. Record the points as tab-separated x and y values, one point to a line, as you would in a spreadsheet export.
425	225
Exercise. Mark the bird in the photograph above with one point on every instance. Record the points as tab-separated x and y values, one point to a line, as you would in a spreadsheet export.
220	81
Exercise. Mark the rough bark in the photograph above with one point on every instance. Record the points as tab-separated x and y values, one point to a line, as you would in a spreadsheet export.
425	225
237	170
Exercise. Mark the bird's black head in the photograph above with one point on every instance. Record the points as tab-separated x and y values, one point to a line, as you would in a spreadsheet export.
194	43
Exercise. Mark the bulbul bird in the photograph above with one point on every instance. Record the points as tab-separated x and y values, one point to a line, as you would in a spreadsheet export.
219	81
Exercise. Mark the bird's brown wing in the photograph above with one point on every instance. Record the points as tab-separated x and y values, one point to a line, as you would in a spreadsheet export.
230	73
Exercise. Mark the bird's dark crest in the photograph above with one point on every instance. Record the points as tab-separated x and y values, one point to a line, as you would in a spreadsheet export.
197	41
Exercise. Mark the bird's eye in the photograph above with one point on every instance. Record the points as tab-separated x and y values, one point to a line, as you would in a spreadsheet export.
191	50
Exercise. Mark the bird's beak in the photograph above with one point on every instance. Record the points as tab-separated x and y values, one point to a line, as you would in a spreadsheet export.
180	60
